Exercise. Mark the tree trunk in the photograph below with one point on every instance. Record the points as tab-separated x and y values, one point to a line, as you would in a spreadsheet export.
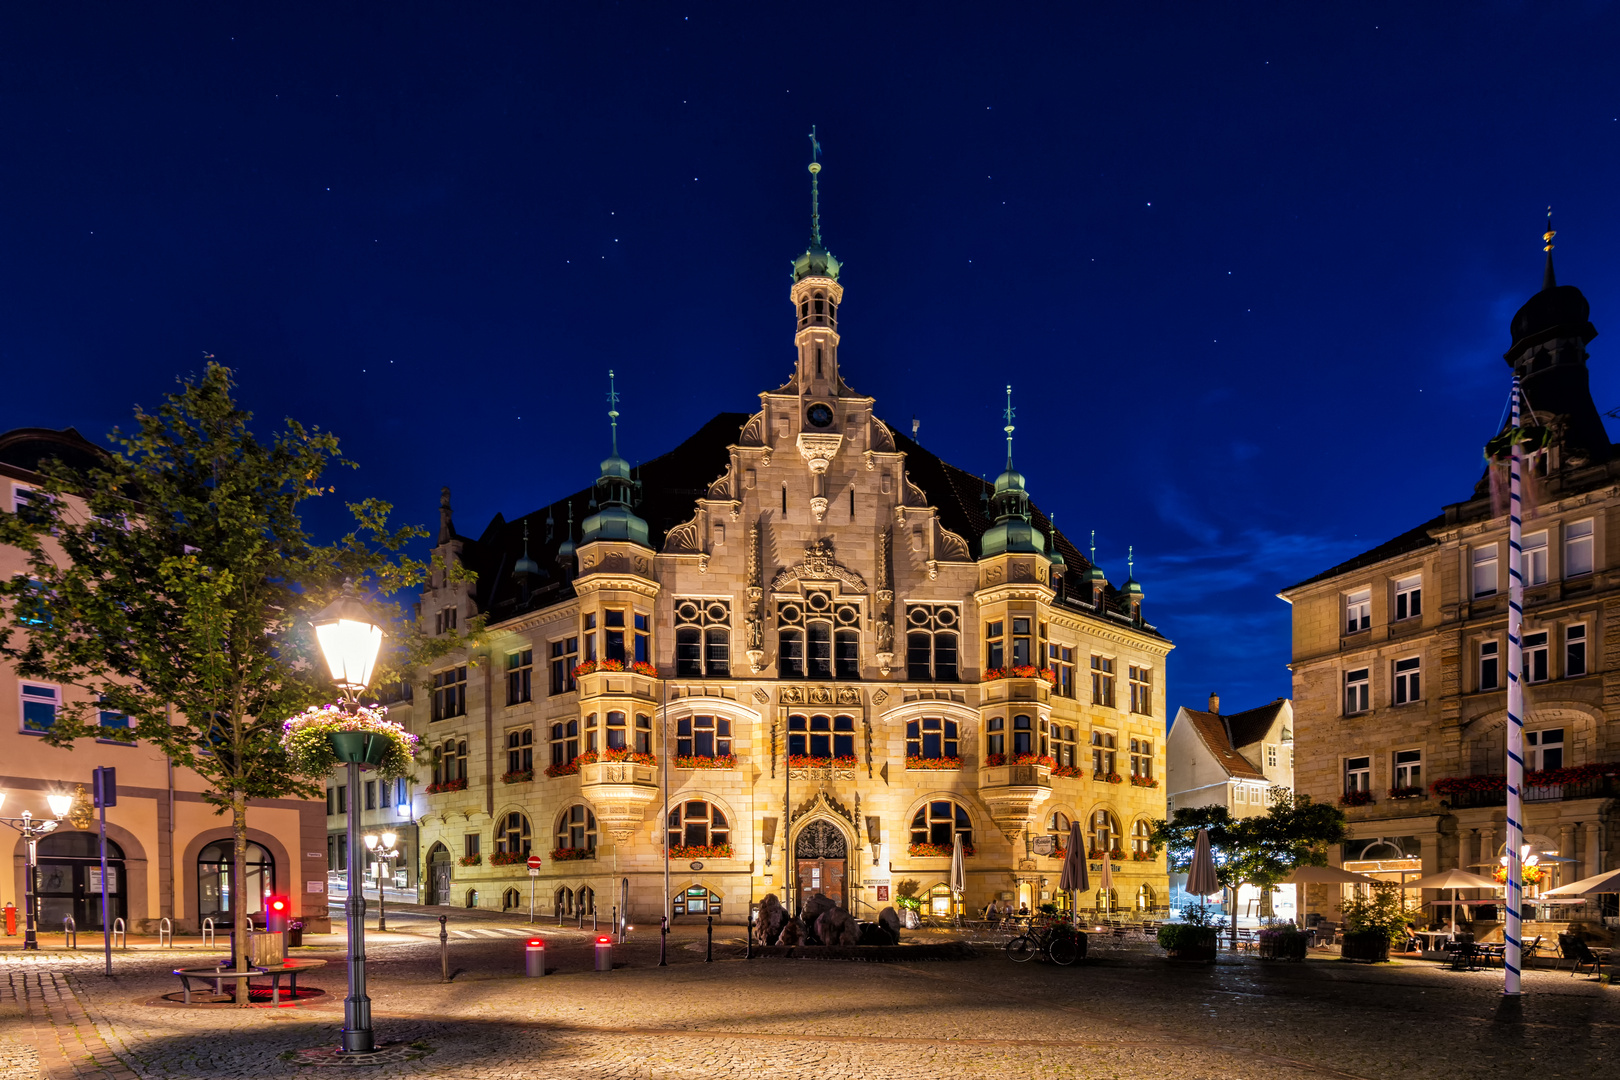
1234	894
239	903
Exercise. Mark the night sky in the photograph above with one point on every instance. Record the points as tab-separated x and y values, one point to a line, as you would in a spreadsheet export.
1248	268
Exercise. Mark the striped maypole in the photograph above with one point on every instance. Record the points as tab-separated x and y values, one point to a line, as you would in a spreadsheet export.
1515	710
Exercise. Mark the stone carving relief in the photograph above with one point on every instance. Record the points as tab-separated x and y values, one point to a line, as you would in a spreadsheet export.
683	539
753	432
754	620
819	565
881	438
952	548
822	800
721	488
885	603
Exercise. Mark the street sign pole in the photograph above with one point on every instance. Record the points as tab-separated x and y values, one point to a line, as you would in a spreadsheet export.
106	794
534	876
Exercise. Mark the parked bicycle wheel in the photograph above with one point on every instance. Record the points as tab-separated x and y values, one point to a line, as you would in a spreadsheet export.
1064	949
1021	948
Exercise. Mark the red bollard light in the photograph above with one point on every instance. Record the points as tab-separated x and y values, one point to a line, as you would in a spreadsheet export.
604	954
534	957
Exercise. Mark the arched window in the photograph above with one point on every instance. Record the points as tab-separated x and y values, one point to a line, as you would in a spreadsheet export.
564	741
586	900
643	733
698	824
995	737
565	900
1105	834
939	900
1141	838
818	641
69	880
932	737
936	823
510	899
717	652
512	836
1057	826
822	736
1107	900
472	898
214	880
1146	898
616	731
847	653
576	829
703	737
1023	736
931	642
689	651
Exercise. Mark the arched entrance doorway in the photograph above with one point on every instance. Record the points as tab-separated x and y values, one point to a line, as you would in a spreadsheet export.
214	880
438	867
821	857
70	880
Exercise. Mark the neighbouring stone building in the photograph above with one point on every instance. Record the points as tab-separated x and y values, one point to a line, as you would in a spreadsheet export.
169	851
1399	654
834	651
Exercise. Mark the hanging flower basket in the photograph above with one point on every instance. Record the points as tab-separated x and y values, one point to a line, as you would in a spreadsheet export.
321	737
1532	874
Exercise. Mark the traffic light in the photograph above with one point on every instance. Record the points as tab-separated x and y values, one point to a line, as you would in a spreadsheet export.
277	910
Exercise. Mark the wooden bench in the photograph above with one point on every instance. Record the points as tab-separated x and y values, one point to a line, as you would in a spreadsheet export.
287	968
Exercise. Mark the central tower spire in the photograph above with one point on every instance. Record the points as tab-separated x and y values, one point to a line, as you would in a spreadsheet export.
816	295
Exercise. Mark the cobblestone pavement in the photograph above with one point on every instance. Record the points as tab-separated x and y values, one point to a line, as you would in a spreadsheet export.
1126	1013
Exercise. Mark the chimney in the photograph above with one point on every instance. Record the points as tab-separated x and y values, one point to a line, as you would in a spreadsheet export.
1215	704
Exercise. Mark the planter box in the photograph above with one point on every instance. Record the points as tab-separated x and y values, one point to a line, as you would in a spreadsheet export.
1367	947
1288	947
1193	954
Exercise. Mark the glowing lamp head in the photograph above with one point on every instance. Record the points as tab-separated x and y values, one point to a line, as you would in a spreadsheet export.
371	842
349	639
388	839
60	804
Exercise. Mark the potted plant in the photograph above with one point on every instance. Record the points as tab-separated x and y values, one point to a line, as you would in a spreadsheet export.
295	933
1372	922
1282	942
1189	942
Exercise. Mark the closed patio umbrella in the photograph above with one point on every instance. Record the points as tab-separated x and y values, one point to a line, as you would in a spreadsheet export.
958	875
1452	879
1606	882
1107	883
1201	879
1075	879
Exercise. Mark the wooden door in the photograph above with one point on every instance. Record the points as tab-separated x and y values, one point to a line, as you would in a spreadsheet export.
821	862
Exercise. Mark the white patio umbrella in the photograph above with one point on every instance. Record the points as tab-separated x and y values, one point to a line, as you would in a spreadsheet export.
1325	875
1075	878
1201	879
958	875
1606	882
1452	879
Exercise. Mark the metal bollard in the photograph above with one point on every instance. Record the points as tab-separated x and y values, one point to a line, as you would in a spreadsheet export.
165	933
120	939
748	942
534	958
70	933
593	918
559	913
580	920
663	942
444	951
208	932
708	958
604	953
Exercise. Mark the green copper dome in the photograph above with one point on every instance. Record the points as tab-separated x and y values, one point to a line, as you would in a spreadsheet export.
816	261
616	492
1013	530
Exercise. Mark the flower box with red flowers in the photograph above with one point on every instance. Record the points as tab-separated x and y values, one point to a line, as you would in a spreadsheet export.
1143	781
509	858
1144	856
591	667
1116	855
471	860
936	851
572	854
1356	798
567	768
1059	852
447	785
1573	774
700	851
518	776
620	754
706	761
1022	671
1108	778
1406	793
805	761
1045	761
933	764
1068	771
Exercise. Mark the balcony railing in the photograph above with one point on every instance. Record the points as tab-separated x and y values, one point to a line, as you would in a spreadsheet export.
1597	787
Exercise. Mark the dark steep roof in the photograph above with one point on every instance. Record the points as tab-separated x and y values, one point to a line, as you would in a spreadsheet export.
672	483
1224	734
30	448
1414	539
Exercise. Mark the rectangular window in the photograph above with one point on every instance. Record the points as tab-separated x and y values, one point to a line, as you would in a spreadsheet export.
1544	749
331	802
1020	643
371	794
1358	611
1408	769
1103	748
1357	692
1141	680
1535	657
616	731
1533	558
995	652
1408	686
1409	597
643	639
590	636
818	650
703	736
1102	680
114	728
1357	775
450	693
445	621
1490	665
790	653
343	799
1578	548
1065	748
564	655
520	750
717	652
469	844
995	735
1242	793
1142	758
1484	579
932	737
1063	667
1271	756
847	653
39	704
564	741
519	673
401	795
613	635
1574	650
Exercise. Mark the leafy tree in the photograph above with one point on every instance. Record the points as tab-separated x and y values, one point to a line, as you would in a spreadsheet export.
1259	850
174	583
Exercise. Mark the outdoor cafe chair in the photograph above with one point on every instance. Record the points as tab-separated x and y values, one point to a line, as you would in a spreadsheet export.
1583	955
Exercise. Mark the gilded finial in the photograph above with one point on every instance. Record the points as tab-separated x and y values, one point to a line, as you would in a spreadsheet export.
613	412
1008	413
1093	547
1547	237
1549	280
1130	561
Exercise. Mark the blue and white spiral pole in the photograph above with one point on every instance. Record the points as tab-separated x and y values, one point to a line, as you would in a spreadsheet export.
1515	712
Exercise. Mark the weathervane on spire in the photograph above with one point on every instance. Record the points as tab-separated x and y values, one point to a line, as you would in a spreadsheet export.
1009	413
815	147
815	190
613	412
1130	561
1093	547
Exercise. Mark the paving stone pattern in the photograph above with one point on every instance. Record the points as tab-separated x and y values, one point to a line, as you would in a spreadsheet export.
1127	1014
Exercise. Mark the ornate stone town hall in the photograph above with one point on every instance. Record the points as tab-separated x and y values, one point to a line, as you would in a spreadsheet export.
840	656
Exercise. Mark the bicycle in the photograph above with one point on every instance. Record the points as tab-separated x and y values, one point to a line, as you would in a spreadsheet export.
1059	942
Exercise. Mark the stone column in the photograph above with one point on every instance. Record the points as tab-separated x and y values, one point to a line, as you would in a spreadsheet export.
1594	848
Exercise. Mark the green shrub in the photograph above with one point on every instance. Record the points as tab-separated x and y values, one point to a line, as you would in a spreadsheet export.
1175	937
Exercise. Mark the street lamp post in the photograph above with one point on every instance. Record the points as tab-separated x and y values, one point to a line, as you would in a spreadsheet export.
383	850
350	640
32	831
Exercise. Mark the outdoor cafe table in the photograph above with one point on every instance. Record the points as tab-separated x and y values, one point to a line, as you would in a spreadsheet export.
1433	939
